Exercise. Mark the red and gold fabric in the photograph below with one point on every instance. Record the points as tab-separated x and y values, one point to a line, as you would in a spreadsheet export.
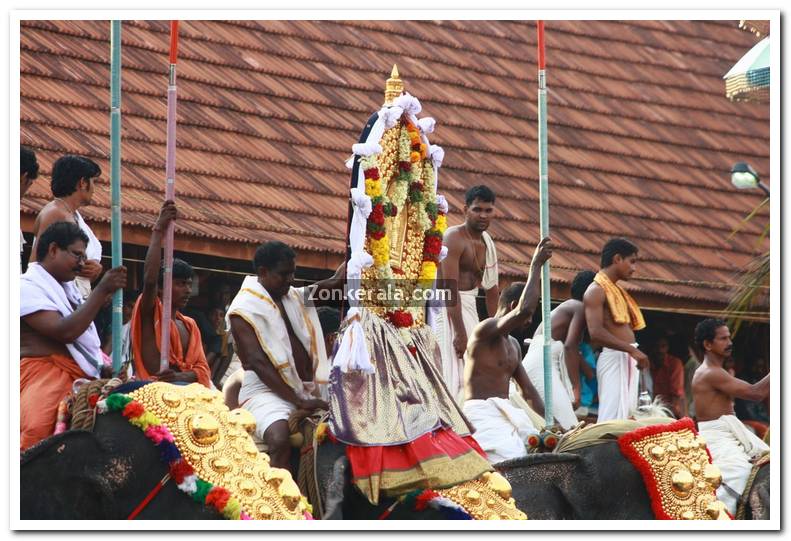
439	459
677	470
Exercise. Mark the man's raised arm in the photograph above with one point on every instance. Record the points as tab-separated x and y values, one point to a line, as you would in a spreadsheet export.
521	314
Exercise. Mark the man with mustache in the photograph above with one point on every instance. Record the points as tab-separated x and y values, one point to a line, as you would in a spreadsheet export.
733	447
471	262
612	317
187	360
58	340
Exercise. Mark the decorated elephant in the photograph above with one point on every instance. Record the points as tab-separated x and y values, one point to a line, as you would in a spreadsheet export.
158	451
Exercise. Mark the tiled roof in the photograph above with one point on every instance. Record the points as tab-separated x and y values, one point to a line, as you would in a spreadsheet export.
641	136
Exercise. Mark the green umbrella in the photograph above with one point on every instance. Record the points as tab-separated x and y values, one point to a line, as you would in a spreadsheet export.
749	78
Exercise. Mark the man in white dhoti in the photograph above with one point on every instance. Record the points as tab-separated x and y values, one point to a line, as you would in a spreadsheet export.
280	344
733	447
72	185
612	316
501	428
568	329
471	262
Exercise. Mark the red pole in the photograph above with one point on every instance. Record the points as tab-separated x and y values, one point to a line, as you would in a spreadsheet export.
541	62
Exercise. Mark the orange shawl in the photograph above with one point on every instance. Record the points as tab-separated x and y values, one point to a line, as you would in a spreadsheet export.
193	360
623	307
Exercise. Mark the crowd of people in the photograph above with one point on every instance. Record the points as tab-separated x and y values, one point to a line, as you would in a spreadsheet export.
271	350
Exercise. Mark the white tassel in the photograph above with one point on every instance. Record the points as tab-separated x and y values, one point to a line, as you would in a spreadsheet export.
189	484
390	116
426	125
350	162
366	149
443	253
437	155
357	262
353	353
442	204
361	201
409	103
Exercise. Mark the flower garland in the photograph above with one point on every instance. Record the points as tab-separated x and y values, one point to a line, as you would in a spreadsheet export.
414	184
180	470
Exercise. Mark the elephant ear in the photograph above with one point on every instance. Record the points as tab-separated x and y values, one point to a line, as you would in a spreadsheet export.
59	479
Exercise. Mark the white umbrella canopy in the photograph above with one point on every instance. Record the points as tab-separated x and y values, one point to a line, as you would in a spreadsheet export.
748	79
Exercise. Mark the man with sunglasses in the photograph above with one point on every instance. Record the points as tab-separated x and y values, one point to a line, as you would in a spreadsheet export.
58	340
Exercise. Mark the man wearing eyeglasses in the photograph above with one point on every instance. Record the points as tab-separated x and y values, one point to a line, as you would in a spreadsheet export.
58	340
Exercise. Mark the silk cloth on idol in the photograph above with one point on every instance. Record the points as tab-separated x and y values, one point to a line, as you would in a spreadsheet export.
404	429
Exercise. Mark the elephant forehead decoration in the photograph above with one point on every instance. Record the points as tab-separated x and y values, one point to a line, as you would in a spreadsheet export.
677	471
216	442
486	498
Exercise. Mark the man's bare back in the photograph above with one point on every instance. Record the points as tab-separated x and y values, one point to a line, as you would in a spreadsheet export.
561	318
491	366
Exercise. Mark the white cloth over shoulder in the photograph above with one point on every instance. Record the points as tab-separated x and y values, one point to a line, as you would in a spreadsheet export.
254	304
39	291
562	391
93	251
618	376
491	272
501	429
732	447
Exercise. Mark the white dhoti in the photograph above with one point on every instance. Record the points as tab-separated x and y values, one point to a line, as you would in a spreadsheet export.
263	403
452	365
562	391
233	366
732	446
501	429
618	378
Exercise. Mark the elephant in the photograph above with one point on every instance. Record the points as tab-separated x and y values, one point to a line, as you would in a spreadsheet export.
107	473
595	483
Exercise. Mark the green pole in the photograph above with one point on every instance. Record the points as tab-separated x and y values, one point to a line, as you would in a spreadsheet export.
115	181
543	184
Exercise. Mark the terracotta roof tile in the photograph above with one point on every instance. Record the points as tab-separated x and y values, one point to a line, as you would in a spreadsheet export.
641	135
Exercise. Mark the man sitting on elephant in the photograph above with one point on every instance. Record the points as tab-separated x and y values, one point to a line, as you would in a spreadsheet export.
279	341
733	447
501	429
58	339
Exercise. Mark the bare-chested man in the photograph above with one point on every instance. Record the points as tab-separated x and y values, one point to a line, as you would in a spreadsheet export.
471	262
612	317
568	330
733	447
493	357
73	182
58	340
187	360
280	344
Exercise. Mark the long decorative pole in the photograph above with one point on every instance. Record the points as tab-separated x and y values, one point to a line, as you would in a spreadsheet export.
543	184
170	194
115	183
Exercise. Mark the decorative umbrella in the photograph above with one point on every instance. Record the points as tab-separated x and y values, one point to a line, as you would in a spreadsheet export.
748	80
